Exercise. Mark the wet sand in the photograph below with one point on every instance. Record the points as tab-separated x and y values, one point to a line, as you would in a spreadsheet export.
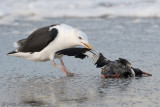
24	83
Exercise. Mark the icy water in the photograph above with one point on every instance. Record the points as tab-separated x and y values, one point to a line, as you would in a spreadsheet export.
24	83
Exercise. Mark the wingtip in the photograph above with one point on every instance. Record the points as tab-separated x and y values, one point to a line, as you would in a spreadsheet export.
12	52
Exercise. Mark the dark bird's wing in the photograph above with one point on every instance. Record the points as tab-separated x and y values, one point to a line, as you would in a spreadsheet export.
124	62
38	40
97	57
77	52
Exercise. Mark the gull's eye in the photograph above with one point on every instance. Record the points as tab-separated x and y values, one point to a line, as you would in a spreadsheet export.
79	37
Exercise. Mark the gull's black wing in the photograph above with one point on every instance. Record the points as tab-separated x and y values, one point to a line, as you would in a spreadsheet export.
38	40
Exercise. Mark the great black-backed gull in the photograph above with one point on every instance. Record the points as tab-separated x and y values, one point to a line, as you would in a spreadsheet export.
44	42
110	69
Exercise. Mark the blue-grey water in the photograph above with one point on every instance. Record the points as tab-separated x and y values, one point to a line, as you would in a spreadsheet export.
25	83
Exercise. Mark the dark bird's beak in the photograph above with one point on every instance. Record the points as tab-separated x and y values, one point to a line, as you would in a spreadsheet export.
146	74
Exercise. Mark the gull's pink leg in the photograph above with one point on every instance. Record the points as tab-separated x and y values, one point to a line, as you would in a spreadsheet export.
54	64
62	68
65	69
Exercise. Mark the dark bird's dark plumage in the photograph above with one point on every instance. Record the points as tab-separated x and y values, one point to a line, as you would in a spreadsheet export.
76	52
121	68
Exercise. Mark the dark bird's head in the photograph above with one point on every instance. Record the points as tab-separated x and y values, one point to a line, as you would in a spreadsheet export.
102	61
140	73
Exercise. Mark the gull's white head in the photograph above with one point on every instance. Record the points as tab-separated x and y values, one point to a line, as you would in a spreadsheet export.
75	37
81	39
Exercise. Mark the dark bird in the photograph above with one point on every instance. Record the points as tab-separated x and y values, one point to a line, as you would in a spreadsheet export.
43	43
110	69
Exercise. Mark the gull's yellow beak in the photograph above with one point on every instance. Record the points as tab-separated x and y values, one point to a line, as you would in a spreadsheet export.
89	46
